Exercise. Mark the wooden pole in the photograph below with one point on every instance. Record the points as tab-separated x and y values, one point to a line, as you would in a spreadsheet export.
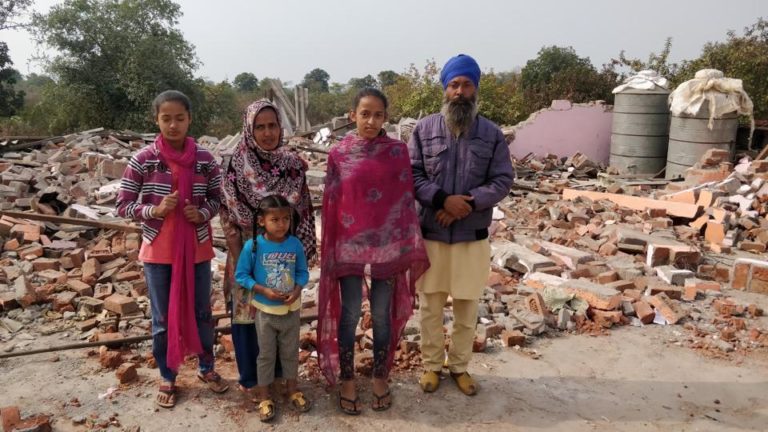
72	221
306	316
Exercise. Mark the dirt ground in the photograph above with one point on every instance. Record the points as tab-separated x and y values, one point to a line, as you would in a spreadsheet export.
635	379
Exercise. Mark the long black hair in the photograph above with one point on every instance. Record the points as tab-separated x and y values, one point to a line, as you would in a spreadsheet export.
270	203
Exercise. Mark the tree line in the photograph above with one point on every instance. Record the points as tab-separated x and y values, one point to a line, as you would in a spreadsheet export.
113	56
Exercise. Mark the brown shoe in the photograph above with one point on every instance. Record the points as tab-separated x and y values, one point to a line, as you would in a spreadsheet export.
214	381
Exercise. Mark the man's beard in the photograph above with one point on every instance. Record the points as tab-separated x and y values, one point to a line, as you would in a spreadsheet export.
459	113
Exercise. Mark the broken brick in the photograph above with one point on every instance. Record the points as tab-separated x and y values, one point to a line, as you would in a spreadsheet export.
126	373
120	304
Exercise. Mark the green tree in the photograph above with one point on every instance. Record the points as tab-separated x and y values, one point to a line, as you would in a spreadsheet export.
499	99
657	62
10	10
361	83
113	57
246	82
316	80
11	100
559	73
415	93
220	110
744	57
387	78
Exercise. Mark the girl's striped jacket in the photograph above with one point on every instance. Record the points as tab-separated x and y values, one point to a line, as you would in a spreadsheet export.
148	179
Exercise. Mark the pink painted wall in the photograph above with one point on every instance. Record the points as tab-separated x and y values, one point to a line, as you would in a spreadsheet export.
565	129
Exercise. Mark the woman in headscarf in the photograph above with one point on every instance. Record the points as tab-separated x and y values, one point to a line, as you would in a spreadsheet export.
259	167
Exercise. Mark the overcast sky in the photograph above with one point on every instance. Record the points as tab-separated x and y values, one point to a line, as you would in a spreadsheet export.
288	38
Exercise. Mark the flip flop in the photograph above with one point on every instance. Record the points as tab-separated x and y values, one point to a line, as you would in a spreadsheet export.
380	405
166	396
349	411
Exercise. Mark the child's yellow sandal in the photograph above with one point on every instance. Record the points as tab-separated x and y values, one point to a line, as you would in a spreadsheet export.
299	402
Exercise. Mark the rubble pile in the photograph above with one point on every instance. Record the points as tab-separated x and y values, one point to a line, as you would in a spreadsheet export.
575	248
613	251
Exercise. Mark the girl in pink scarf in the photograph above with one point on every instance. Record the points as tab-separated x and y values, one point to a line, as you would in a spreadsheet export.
173	188
369	218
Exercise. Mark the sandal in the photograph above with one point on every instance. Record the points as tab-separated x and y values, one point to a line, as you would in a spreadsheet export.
350	411
299	402
430	381
214	381
249	393
166	396
266	410
465	382
380	403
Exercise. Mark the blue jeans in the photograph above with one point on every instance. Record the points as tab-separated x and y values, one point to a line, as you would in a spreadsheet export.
158	277
351	302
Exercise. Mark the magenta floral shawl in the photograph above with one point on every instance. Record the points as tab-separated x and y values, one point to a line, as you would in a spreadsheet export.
369	217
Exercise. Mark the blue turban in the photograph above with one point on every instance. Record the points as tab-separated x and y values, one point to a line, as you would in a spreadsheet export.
461	65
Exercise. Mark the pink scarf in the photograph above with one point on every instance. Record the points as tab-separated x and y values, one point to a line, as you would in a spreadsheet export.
183	338
369	217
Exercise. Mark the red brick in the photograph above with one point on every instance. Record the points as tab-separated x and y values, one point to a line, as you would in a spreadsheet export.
690	293
644	311
672	292
63	300
535	304
127	276
633	294
751	246
11	245
30	252
479	343
11	417
606	319
110	359
607	277
759	282
512	338
91	271
25	293
666	308
715	232
126	373
226	342
621	285
80	287
41	264
30	233
8	301
102	291
728	334
120	304
40	423
727	308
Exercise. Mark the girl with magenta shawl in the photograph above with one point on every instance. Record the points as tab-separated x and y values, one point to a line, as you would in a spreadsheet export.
173	187
259	167
369	218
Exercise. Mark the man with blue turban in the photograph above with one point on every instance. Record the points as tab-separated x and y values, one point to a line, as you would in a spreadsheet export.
461	170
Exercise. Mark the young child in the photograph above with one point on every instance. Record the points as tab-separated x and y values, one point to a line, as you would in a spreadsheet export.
369	218
274	267
173	188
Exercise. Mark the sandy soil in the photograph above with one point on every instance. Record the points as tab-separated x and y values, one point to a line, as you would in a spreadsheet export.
631	380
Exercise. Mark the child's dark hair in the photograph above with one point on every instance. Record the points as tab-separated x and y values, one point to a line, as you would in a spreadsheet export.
270	203
370	91
170	96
